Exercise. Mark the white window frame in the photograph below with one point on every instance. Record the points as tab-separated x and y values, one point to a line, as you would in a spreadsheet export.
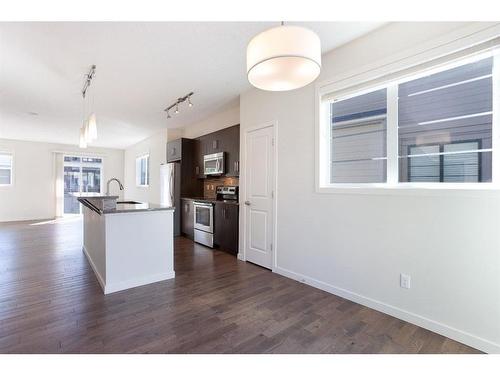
137	172
327	93
11	154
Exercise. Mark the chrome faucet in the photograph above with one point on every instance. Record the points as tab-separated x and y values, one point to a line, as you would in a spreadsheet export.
109	181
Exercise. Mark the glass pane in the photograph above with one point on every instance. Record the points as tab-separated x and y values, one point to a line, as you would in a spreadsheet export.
203	216
5	176
424	165
461	165
91	180
358	144
71	185
74	159
448	109
91	160
5	161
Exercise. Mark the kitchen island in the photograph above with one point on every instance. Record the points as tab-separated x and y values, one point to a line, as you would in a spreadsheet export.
127	244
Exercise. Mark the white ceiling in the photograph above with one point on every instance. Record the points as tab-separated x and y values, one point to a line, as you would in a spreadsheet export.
141	68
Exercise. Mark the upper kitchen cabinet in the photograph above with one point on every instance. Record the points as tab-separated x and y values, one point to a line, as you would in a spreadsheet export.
226	140
174	150
232	136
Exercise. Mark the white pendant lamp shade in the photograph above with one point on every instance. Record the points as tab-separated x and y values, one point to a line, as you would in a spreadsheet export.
92	127
83	141
283	58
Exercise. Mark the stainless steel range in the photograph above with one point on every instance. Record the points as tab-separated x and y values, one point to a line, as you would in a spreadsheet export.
204	223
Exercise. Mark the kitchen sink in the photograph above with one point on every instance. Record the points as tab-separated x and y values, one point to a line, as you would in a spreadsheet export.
128	202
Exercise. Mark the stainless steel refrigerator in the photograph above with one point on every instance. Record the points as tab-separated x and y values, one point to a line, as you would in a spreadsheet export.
170	191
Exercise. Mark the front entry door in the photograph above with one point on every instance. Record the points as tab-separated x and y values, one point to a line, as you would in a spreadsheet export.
259	186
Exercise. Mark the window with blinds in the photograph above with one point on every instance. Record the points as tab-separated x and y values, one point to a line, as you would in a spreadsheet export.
5	169
445	125
358	144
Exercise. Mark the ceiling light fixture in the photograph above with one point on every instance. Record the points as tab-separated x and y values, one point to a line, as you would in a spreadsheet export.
283	58
177	102
89	128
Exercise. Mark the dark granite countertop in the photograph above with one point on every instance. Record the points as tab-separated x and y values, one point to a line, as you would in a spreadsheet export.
124	207
143	206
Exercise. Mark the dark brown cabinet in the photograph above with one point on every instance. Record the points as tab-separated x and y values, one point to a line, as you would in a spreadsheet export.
174	150
226	226
226	140
187	221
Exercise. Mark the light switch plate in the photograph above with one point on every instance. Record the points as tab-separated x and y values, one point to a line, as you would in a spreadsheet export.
405	281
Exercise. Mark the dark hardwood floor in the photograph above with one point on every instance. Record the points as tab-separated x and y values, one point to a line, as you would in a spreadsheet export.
50	302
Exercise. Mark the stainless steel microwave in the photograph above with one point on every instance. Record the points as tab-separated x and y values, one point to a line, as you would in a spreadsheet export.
213	164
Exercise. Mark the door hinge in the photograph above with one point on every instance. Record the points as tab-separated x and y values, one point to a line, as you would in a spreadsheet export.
272	193
271	245
272	141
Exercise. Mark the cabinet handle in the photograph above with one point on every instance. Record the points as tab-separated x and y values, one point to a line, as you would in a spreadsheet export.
173	151
197	170
214	144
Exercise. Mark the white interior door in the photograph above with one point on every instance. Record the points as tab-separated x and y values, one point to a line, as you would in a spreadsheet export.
259	195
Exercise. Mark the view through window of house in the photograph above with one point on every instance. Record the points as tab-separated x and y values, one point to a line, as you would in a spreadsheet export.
82	175
142	170
445	125
5	169
358	141
444	129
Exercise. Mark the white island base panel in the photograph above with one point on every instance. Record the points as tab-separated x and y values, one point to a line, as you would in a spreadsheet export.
129	249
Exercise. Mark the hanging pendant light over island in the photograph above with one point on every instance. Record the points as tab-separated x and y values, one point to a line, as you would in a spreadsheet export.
283	58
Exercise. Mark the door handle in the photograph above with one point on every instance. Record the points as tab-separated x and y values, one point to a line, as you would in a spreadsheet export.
247	203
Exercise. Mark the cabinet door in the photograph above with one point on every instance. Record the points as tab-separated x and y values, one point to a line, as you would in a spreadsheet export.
226	227
232	228
187	222
200	151
219	225
233	151
174	150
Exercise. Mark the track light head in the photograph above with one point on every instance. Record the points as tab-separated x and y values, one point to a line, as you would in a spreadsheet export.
189	101
177	109
168	114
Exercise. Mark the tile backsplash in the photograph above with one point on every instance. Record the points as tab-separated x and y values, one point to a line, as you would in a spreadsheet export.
210	184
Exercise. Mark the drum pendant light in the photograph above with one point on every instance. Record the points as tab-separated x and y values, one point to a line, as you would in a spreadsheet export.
283	58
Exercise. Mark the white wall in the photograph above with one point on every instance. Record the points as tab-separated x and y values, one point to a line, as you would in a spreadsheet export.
222	119
155	146
33	194
356	245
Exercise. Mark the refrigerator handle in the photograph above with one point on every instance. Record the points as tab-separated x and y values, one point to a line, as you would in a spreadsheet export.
171	186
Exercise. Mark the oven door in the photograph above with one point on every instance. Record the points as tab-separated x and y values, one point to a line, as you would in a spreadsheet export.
214	164
204	216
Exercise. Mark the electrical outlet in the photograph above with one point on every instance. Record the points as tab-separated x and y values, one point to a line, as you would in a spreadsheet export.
405	281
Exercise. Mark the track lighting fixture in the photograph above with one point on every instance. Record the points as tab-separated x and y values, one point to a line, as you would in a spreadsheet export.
88	131
177	102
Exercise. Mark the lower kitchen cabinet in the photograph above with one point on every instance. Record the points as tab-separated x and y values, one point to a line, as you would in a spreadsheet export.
187	218
226	227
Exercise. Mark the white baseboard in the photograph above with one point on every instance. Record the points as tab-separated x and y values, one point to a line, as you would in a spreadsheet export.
240	257
140	281
132	283
440	328
94	268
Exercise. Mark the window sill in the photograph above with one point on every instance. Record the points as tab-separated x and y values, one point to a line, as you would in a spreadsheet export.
410	189
142	186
